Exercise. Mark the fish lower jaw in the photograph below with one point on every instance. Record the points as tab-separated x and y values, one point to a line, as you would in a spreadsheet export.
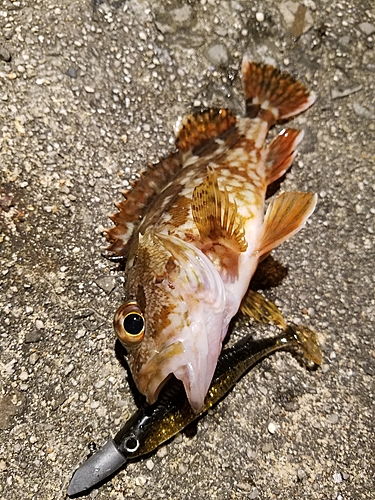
196	401
152	392
195	392
152	377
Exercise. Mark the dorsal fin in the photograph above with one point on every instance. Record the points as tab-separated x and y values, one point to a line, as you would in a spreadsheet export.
137	200
197	128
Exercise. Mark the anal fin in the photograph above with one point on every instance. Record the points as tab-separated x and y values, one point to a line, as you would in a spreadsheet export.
216	218
256	306
285	216
281	153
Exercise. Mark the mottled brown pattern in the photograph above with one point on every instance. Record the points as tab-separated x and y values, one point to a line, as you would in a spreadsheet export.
264	83
141	297
177	210
161	317
162	203
150	264
198	128
171	172
180	211
248	145
138	199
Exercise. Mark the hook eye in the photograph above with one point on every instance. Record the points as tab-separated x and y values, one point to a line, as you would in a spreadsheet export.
131	444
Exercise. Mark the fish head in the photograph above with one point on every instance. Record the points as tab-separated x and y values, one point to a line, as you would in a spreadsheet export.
172	321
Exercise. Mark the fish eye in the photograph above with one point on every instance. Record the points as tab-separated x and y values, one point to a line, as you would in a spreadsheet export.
129	323
133	323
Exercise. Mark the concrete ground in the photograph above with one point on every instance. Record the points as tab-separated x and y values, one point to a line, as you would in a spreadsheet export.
90	92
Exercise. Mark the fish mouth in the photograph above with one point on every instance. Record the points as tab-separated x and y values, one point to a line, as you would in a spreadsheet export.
155	373
195	374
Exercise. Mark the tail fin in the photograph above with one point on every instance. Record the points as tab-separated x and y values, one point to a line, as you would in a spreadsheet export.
274	94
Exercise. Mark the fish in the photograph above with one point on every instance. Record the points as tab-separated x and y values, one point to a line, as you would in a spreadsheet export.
194	227
152	425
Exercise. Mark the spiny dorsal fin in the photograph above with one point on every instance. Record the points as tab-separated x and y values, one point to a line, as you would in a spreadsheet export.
274	94
216	218
281	153
256	306
197	128
284	217
137	200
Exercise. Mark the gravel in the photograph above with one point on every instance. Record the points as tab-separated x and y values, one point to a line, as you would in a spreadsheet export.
90	93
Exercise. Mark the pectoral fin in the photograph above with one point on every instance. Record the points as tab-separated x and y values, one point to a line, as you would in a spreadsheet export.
261	309
216	218
285	216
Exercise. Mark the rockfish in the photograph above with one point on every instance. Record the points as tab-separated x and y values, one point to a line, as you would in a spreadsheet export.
193	230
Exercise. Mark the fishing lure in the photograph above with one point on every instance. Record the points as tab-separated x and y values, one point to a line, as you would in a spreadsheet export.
152	425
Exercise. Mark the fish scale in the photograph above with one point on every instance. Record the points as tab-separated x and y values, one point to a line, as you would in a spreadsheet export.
237	169
194	242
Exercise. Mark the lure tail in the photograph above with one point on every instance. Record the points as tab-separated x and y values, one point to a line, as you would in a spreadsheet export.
308	341
273	94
